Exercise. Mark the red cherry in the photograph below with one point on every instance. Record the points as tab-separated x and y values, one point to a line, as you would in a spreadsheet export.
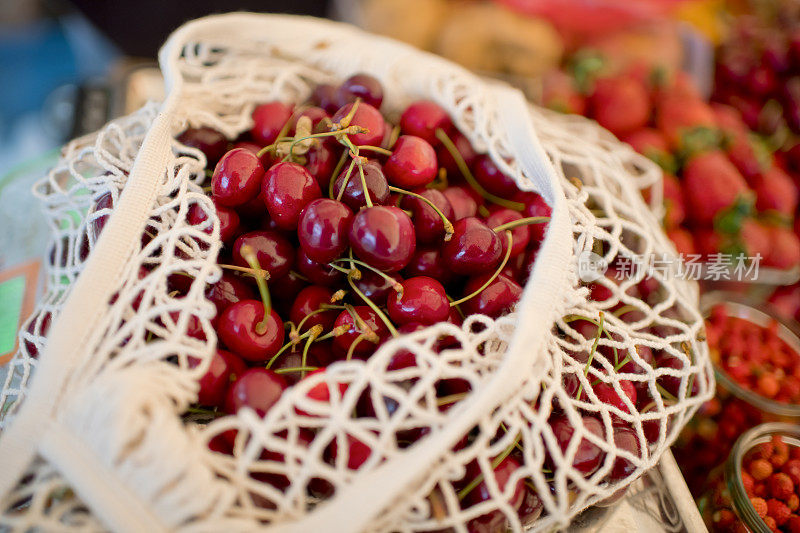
520	236
535	206
357	452
274	253
324	96
423	301
315	114
237	178
626	439
223	369
493	179
309	300
363	86
268	120
368	118
474	248
237	328
606	394
463	201
319	273
208	140
321	392
228	221
464	148
365	347
428	262
423	118
229	290
383	236
428	225
321	162
412	163
323	229
284	292
104	201
258	389
502	474
375	287
353	195
286	189
588	456
498	298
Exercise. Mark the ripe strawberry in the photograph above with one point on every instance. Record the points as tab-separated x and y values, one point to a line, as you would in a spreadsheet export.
760	469
793	502
673	202
707	241
688	125
652	144
760	505
559	93
784	250
754	238
776	191
620	105
792	469
786	300
729	119
682	240
711	184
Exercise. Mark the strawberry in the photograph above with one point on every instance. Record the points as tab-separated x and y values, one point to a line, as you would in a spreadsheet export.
559	93
620	104
707	241
682	240
673	202
652	144
711	185
778	510
729	120
754	238
786	300
775	191
688	124
784	252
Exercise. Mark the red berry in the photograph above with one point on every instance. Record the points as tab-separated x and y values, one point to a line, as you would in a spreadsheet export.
412	163
423	118
760	469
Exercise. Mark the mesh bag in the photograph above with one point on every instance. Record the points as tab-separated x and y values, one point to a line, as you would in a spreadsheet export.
101	439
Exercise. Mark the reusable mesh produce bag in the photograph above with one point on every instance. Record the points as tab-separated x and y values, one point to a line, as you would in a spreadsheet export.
94	433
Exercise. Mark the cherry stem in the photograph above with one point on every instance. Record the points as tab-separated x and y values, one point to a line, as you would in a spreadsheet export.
339	165
600	328
625	309
292	343
452	398
302	369
337	133
338	296
299	275
351	272
311	338
521	222
375	308
347	118
309	315
492	278
351	350
465	171
281	136
360	324
335	332
395	284
393	136
202	411
364	185
378	149
249	255
448	226
254	272
346	180
572	318
495	463
666	394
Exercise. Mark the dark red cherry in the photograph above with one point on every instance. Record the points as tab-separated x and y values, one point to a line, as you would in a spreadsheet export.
321	392
320	163
228	221
37	327
374	286
502	474
535	206
428	225
368	118
274	253
229	290
383	236
463	201
423	301
309	300
315	114
353	196
268	120
531	508
324	96
104	201
284	293
357	452
493	179
363	86
258	388
237	178
588	456
464	148
428	261
497	299
625	438
474	248
412	163
237	328
208	140
323	229
365	347
520	236
253	210
223	369
319	273
423	118
286	189
606	394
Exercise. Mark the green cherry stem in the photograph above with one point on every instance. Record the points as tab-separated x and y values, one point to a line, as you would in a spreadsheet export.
600	328
364	188
393	136
345	122
250	256
338	133
335	332
394	283
351	350
495	463
309	315
378	149
292	343
521	222
361	325
302	369
346	180
492	278
465	171
448	226
311	338
350	272
375	308
339	165
254	272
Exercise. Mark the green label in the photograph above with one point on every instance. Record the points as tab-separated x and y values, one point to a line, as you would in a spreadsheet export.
12	292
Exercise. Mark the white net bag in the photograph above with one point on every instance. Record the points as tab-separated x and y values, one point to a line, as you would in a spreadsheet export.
102	439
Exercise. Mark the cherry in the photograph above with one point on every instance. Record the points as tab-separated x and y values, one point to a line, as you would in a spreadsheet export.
428	262
357	452
366	345
228	221
323	229
671	383
606	394
44	325
588	456
428	225
632	367
239	329
104	201
316	114
531	507
463	202
423	118
353	195
286	189
268	121
474	248
286	291
502	474
535	206
208	140
316	272
229	290
498	298
491	178
625	438
363	86
366	117
321	162
412	163
520	236
237	178
274	253
383	236
423	301
376	287
464	148
324	96
258	389
309	300
223	369
321	392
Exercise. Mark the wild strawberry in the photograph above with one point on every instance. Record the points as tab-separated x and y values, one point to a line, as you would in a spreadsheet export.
770	523
713	185
559	93
620	104
778	510
780	486
793	524
747	483
760	505
784	248
775	191
760	469
793	502
792	469
682	240
768	386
